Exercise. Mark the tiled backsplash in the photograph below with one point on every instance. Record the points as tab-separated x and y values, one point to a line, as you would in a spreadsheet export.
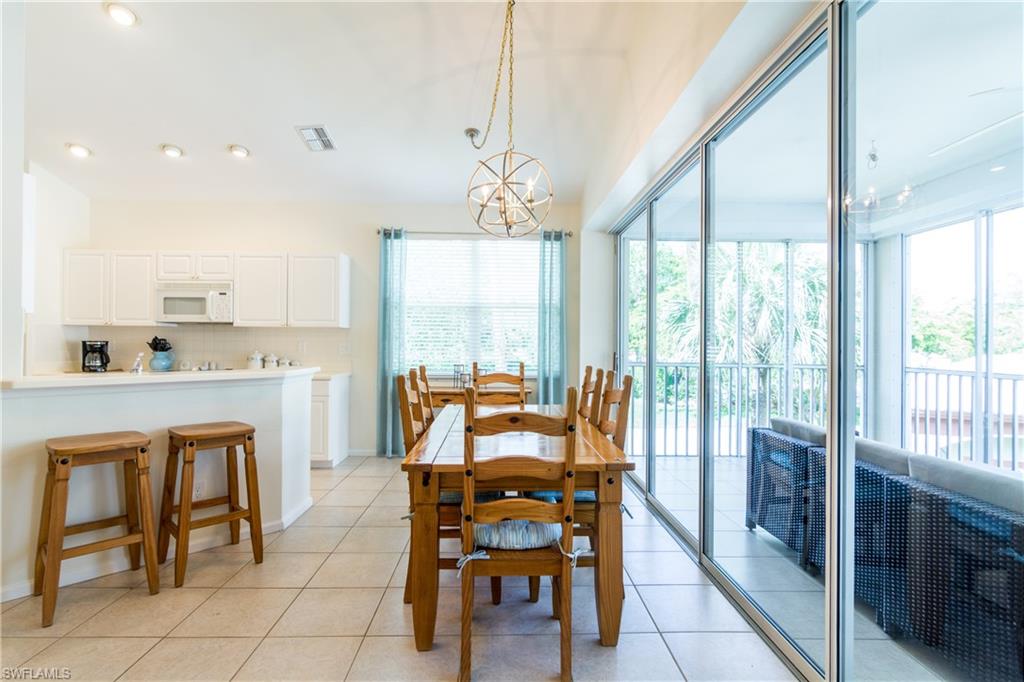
228	346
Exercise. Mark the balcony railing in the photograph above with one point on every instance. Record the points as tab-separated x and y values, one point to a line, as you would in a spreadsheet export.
941	405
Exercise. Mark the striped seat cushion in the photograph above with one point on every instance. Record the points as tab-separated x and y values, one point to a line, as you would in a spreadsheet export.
516	534
581	496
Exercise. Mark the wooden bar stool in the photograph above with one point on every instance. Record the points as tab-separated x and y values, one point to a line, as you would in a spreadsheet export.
191	439
129	447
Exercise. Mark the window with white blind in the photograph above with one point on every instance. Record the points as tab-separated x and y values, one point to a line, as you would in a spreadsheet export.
471	300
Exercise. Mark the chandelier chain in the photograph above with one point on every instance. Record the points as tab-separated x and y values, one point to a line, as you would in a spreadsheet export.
506	34
511	67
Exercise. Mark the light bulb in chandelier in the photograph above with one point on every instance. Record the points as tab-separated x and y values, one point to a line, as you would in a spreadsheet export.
510	194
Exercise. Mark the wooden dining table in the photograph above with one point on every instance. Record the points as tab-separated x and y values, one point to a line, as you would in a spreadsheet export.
436	465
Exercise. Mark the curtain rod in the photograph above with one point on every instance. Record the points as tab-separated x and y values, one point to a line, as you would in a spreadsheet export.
461	234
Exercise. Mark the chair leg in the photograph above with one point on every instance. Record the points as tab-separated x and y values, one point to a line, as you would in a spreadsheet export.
131	504
167	503
495	589
466	653
555	597
233	502
44	528
55	538
565	608
184	514
252	486
534	588
146	514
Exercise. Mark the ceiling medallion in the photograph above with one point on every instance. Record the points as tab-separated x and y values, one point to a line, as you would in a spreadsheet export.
509	193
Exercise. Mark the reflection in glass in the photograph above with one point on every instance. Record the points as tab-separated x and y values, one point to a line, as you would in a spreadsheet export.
633	335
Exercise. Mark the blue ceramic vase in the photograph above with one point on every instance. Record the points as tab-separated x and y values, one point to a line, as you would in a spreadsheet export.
162	361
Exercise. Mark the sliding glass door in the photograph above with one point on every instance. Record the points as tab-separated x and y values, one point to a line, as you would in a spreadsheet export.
632	353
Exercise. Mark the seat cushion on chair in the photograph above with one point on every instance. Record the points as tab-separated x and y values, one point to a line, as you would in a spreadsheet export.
455	497
793	428
516	534
988	484
581	496
888	457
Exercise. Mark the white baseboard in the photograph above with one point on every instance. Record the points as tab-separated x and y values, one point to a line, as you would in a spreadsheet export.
293	515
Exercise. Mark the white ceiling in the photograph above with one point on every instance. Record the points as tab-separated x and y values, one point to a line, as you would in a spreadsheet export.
395	84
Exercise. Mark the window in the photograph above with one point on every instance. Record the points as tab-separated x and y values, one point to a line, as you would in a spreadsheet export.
472	300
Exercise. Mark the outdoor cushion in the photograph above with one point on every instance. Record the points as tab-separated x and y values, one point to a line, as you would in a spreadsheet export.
799	430
987	484
516	534
888	457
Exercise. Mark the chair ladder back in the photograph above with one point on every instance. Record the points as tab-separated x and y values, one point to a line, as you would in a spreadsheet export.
425	391
421	408
517	380
590	397
411	429
620	397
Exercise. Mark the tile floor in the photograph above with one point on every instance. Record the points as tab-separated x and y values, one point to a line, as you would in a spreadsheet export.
326	604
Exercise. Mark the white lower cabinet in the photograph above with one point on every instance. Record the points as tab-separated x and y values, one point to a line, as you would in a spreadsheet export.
328	438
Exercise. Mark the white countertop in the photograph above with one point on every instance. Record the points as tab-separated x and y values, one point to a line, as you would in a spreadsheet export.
74	380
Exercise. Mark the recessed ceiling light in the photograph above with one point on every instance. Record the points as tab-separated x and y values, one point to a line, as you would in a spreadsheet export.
238	150
172	151
121	14
77	150
996	169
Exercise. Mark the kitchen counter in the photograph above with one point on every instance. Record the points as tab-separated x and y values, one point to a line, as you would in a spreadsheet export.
72	380
276	401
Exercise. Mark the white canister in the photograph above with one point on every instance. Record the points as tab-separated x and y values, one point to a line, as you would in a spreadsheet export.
270	361
255	361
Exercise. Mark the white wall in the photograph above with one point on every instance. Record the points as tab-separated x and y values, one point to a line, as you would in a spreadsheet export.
296	226
597	299
61	221
12	142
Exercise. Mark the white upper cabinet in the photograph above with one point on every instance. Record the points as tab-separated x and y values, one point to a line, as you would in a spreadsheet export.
86	286
131	288
261	285
318	290
217	266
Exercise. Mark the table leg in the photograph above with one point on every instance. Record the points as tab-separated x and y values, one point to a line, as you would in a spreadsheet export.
424	561
608	557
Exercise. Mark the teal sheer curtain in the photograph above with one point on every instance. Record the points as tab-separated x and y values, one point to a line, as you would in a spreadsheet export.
390	317
551	351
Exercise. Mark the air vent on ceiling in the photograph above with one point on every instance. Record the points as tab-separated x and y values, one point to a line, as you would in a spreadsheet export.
317	138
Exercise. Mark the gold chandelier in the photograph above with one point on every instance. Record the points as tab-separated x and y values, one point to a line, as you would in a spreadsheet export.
510	193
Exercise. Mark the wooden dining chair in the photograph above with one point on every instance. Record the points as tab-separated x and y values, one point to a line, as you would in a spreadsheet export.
422	409
614	425
519	536
590	389
494	398
414	424
424	384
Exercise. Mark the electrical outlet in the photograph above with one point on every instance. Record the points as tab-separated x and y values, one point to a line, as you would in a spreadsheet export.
303	345
199	491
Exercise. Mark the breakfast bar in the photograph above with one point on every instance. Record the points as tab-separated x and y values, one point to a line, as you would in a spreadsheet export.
275	401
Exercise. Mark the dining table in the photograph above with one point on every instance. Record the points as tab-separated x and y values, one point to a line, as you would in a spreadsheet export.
435	466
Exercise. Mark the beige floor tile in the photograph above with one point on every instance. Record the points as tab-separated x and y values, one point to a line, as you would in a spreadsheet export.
317	495
347	498
141	614
648	539
663	568
309	539
205	569
278	570
378	466
356	570
301	658
119	579
74	606
769	574
329	516
383	517
691	608
193	659
635	617
446	578
329	613
391	498
394	618
375	540
16	650
636	657
245	546
337	474
725	656
237	613
93	658
520	657
323	483
11	603
398	483
395	658
373	483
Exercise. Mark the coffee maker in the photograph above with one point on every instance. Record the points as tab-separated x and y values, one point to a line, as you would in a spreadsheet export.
94	356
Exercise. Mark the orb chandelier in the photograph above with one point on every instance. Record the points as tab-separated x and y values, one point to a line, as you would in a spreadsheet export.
509	193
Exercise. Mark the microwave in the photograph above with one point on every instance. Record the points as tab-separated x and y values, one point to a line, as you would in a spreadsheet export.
194	302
